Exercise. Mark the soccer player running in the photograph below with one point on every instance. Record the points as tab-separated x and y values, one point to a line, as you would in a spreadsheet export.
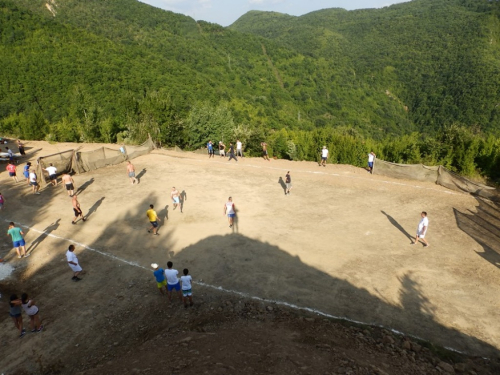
231	153
77	210
131	172
11	168
17	240
52	171
69	184
176	200
34	181
153	219
230	211
422	229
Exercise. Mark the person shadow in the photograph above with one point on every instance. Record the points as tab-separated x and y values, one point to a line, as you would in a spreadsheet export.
164	213
140	174
283	185
183	197
84	186
49	229
94	207
235	228
397	225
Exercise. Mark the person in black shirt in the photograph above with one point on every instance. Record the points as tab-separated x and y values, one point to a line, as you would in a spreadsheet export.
288	182
231	153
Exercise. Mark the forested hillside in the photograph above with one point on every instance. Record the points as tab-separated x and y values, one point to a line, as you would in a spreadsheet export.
115	70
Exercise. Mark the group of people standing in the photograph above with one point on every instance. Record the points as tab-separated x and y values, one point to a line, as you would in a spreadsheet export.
167	279
28	305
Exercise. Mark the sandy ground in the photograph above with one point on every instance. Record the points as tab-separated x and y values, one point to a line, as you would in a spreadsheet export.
339	244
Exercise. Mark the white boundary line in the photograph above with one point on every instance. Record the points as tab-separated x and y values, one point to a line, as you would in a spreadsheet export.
324	173
241	294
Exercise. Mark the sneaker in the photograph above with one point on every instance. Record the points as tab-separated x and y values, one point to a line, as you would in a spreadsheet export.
84	219
40	329
149	231
37	193
22	334
19	256
156	234
73	278
33	330
73	223
76	278
27	255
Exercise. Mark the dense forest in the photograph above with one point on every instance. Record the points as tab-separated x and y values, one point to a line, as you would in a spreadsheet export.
414	82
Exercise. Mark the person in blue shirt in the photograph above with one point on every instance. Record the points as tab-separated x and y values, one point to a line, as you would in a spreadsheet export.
159	273
210	148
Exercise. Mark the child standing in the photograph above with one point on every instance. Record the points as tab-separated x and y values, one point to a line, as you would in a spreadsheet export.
186	281
160	277
15	314
32	310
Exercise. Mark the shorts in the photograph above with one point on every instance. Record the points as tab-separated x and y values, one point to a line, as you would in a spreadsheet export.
26	174
154	224
78	212
19	243
231	215
176	200
12	174
15	315
33	183
323	158
370	164
131	174
1	206
222	153
210	152
76	268
53	177
187	292
264	153
161	284
69	187
177	287
288	185
420	235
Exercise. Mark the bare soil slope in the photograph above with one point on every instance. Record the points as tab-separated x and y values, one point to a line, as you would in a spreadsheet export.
338	245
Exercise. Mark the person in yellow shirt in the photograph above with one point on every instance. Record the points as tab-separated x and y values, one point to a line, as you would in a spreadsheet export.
153	219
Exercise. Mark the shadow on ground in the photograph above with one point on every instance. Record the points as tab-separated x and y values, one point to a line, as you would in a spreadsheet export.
483	227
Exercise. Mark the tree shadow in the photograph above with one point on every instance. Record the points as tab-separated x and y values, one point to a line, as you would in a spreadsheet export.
49	229
483	227
94	207
282	183
397	225
84	186
140	174
182	198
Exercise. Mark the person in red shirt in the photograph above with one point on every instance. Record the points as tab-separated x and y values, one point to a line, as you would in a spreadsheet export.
11	168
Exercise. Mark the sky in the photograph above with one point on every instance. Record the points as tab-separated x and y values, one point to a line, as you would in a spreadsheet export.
225	12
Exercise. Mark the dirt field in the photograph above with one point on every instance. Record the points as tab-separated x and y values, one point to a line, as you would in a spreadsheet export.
339	244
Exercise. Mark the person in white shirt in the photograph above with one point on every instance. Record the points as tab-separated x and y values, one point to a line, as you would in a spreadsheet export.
230	211
422	229
371	159
239	149
172	281
73	263
186	281
52	171
33	181
324	156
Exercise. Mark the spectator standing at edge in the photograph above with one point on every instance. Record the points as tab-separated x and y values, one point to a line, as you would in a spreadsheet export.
210	148
32	310
153	219
288	182
172	281
11	168
52	171
187	293
239	148
230	211
16	314
265	155
34	181
422	229
160	277
73	263
324	156
222	147
371	160
20	146
17	240
231	153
